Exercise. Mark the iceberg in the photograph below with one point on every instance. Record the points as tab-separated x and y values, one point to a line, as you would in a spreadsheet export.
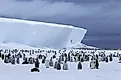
39	34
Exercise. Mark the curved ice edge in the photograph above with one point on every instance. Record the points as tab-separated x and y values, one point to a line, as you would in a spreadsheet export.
34	22
52	35
37	23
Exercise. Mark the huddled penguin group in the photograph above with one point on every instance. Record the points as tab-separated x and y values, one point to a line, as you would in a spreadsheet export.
57	60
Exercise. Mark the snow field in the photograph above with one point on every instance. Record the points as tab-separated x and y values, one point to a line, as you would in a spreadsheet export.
109	71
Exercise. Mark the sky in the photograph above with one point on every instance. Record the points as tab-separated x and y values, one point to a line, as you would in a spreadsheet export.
102	18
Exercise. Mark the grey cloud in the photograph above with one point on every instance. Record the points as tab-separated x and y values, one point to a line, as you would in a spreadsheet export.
44	8
41	9
84	1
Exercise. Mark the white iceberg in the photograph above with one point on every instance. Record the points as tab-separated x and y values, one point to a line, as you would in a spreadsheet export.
39	34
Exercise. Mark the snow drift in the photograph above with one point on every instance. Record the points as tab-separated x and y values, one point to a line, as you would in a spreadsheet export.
79	45
39	34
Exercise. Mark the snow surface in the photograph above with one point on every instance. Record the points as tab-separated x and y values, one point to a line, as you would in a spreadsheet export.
107	71
110	71
38	34
78	45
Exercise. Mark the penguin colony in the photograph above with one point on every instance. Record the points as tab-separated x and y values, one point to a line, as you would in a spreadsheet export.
57	59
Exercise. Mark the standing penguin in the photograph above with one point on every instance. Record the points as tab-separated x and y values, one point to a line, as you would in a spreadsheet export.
59	60
37	63
18	61
54	56
92	58
5	60
55	65
106	59
87	58
100	58
110	58
76	58
24	56
47	63
20	55
2	56
92	64
43	61
62	57
79	58
31	60
82	59
97	64
10	59
13	60
119	59
58	66
51	62
79	66
71	59
66	59
65	66
40	56
97	57
9	55
25	61
103	58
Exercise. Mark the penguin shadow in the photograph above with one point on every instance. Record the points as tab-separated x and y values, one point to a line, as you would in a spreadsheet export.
35	70
119	62
97	76
116	70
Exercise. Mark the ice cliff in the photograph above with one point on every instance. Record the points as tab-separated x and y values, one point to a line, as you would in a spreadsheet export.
39	34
